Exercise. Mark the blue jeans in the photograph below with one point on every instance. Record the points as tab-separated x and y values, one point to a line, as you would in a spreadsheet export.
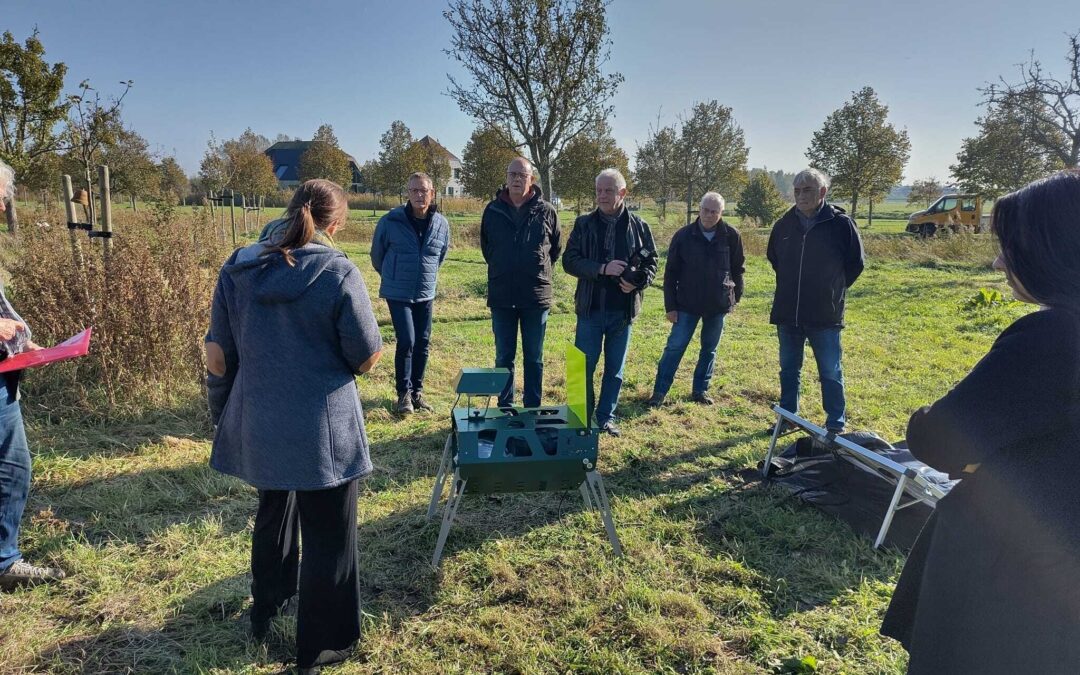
412	330
14	477
681	333
608	332
533	322
827	353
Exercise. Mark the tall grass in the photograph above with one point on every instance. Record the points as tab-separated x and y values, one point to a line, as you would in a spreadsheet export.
148	306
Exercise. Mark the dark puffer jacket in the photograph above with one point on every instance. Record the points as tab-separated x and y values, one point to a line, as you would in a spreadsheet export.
409	264
521	250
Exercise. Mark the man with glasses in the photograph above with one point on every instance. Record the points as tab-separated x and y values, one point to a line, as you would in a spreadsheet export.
817	255
407	249
521	241
612	254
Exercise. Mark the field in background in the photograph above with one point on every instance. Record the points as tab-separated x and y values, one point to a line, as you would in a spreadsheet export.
720	574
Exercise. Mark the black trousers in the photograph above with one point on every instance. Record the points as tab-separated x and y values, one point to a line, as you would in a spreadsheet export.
328	614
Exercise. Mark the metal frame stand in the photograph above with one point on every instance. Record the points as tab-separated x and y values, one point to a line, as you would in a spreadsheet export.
457	489
440	477
592	491
907	479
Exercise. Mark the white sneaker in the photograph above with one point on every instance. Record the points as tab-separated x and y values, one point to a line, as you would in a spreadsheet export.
23	573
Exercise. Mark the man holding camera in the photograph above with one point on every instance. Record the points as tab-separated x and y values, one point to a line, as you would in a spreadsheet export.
612	254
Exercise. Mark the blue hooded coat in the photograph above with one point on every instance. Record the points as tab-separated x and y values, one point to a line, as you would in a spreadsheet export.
287	409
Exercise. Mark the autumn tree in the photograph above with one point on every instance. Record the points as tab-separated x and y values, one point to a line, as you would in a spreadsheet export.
656	167
239	165
428	156
536	70
173	183
31	106
760	201
397	154
1004	156
712	153
858	147
484	161
925	191
324	158
583	159
132	170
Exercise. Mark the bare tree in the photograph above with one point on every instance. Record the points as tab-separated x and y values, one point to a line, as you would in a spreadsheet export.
92	125
1051	105
536	70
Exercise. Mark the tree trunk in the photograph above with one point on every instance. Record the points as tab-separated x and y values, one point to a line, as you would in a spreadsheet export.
689	201
12	217
870	219
134	206
854	204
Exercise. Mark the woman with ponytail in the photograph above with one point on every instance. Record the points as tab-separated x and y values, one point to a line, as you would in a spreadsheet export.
290	329
991	583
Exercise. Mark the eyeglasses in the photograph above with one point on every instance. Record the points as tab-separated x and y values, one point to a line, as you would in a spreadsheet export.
420	191
517	174
811	190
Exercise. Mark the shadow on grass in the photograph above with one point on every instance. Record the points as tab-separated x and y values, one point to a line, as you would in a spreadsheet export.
802	557
209	629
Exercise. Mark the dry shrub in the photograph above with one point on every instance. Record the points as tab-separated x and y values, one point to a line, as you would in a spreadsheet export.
978	249
148	306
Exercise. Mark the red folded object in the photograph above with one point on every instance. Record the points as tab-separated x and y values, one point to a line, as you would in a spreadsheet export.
72	348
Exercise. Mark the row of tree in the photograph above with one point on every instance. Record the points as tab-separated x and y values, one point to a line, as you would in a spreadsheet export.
44	133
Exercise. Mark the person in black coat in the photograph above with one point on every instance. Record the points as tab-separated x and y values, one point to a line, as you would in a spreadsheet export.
991	583
817	255
703	281
521	242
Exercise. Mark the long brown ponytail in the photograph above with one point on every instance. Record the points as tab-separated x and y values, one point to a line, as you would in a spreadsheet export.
316	205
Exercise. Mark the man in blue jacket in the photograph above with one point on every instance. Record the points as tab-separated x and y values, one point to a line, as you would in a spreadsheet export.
521	242
612	254
409	246
817	255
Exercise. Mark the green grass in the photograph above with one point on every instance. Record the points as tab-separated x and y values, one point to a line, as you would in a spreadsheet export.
720	575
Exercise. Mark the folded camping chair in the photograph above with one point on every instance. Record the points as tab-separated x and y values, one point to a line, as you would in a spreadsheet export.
910	479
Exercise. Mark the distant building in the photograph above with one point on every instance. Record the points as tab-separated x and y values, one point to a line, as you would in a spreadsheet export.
454	187
286	158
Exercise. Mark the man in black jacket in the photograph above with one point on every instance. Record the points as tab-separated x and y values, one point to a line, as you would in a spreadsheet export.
612	254
817	255
703	280
521	241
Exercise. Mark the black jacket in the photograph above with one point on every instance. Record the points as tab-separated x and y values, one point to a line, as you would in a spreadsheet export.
704	277
585	256
990	585
521	257
814	269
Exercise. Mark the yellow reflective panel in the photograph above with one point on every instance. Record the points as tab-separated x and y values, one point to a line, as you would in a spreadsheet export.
576	396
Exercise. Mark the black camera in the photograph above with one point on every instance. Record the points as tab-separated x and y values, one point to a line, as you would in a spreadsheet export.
634	274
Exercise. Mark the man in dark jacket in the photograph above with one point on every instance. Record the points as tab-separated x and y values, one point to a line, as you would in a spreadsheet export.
817	255
520	240
612	254
407	249
703	281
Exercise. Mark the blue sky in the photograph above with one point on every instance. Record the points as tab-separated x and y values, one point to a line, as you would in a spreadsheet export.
783	66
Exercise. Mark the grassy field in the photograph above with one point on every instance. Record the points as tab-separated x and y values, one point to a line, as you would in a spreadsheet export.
720	575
